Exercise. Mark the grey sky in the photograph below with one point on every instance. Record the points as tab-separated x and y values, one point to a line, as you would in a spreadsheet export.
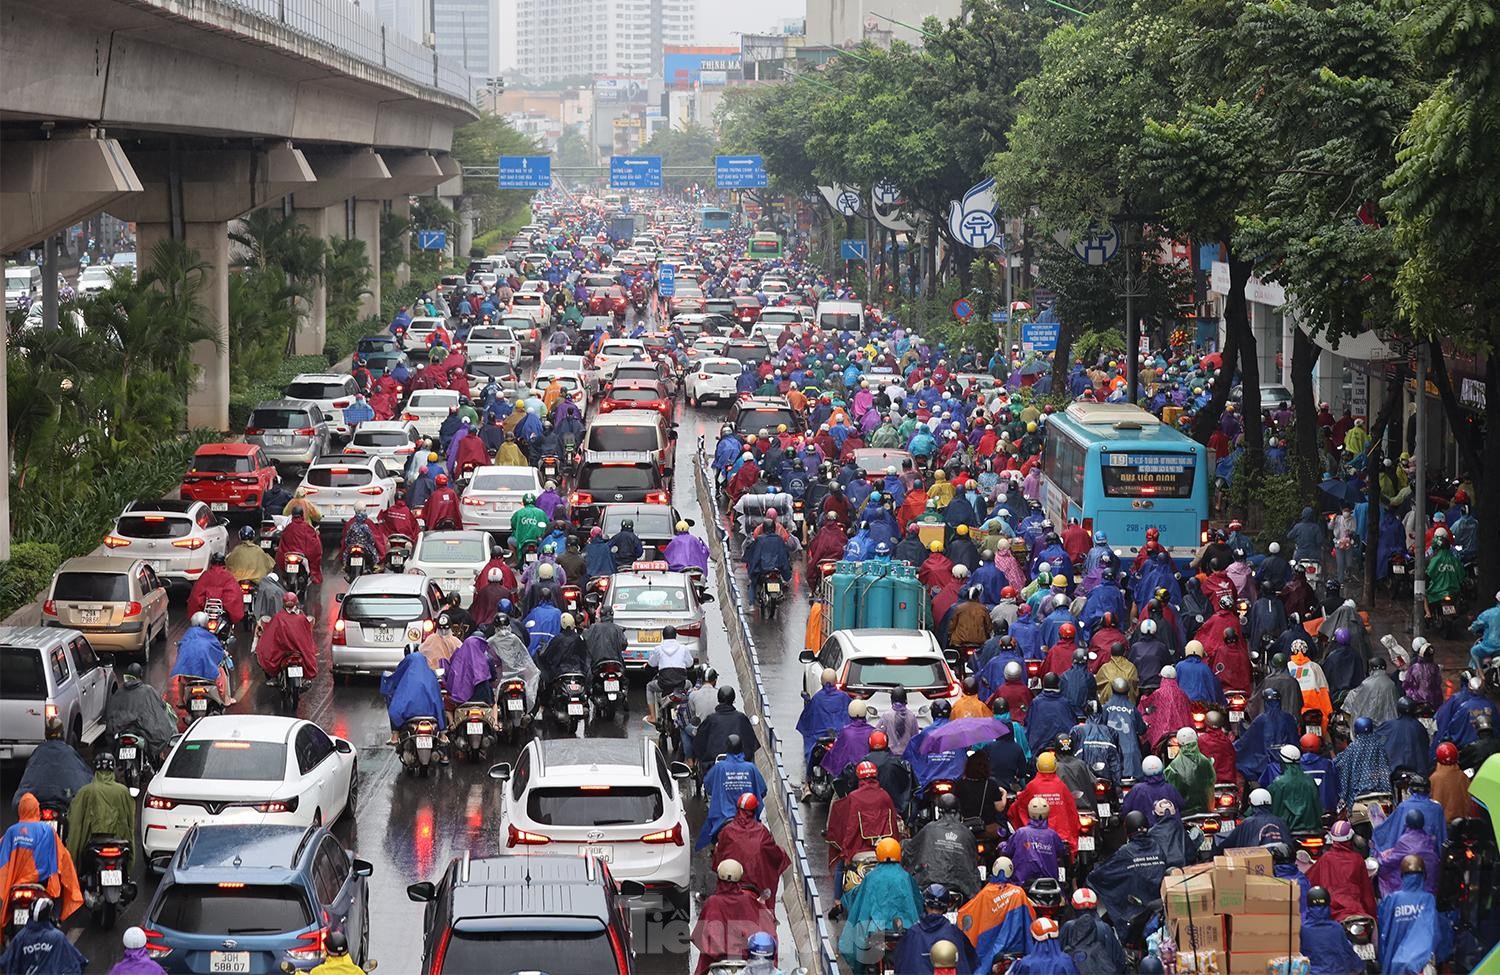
719	19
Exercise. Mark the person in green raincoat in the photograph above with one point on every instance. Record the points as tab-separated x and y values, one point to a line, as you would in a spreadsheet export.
886	894
572	315
1192	774
885	436
528	523
908	426
104	807
1294	794
1445	573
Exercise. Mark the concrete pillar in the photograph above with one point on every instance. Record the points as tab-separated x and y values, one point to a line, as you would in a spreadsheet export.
312	325
401	207
208	401
4	447
47	185
367	228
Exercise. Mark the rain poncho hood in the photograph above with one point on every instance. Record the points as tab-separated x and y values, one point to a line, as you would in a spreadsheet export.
1093	945
411	691
827	710
468	668
1271	729
54	772
199	654
1192	775
1166	709
1045	957
103	807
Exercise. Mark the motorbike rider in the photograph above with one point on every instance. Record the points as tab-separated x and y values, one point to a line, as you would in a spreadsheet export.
1413	935
412	691
945	851
1261	826
301	538
728	917
528	523
686	551
300	503
996	919
1089	940
336	960
717	728
1192	774
1045	956
1271	729
104	807
137	708
1062	807
726	784
40	947
626	546
1341	872
1153	796
886	897
768	553
247	561
1324	940
565	653
217	582
361	531
858	820
199	655
287	639
31	852
1035	848
917	951
1129	880
470	674
746	839
1486	626
443	511
674	657
55	772
136	960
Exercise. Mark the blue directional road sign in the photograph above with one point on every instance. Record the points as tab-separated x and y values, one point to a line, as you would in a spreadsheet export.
666	280
739	172
999	317
634	172
852	250
432	240
525	172
1040	336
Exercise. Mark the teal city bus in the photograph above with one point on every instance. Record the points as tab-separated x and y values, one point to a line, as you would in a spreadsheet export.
1120	470
714	218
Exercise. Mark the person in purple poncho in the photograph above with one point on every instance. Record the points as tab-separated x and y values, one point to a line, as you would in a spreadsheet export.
549	500
1423	682
1166	709
469	675
1414	841
135	960
825	711
1153	796
686	551
853	741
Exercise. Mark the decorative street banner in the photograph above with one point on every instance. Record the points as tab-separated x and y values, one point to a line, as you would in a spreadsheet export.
972	221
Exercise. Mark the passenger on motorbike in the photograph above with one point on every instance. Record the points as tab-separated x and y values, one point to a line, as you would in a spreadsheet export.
443	511
746	839
136	960
55	772
730	778
219	583
301	538
366	534
104	807
725	722
887	895
248	562
728	917
40	947
676	659
267	598
686	551
767	554
287	639
412	691
565	653
137	708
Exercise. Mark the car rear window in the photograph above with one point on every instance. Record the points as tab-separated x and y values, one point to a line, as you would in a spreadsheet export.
380	438
275	419
153	526
635	394
637	597
636	436
314	390
339	477
21	677
595	805
747	351
839	321
723	368
769	418
247	761
650	523
429	400
92	587
242	910
642	371
380	607
519	479
620	348
550	951
448	551
883	673
222	464
618	477
772	316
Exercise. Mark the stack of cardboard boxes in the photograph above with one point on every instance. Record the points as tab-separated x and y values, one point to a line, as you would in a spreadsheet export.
1232	917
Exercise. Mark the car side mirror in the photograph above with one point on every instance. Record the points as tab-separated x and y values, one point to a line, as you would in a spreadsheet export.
342	747
339	597
363	868
629	888
680	771
500	771
371	964
807	657
421	892
172	742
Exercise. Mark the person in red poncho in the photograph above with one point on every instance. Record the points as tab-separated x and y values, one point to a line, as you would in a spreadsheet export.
287	639
1076	541
1151	547
507	574
1166	709
219	583
827	543
937	569
1060	655
470	452
747	840
1341	871
300	537
1215	743
859	820
744	478
399	520
1064	810
730	915
443	510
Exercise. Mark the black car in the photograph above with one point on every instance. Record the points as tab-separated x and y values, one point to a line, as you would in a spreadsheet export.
555	914
615	477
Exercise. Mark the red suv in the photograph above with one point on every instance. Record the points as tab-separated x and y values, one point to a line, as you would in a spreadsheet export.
608	301
746	309
229	476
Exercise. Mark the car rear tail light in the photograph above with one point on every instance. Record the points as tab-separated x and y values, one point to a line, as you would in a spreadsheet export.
692	629
254	431
475	502
231	885
673	835
154	947
340	639
427	626
189	543
582	497
277	806
702	375
373	491
132	609
310	943
1203	531
246	479
658	497
49	711
305	432
339	404
49	608
115	541
520	837
408	415
160	802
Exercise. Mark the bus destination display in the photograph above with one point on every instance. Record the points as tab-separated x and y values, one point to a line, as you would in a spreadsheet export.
1132	475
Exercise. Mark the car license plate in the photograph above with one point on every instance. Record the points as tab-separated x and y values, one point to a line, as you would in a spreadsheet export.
89	615
111	878
273	439
229	961
773	587
198	704
1399	569
127	753
1103	810
424	741
1085	843
514	704
648	636
574	710
605	853
475	727
384	634
218	506
340	510
612	685
1449	609
158	565
294	672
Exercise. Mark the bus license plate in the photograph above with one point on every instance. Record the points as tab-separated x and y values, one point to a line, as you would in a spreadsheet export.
127	753
424	741
575	710
1085	843
230	962
476	727
111	878
514	704
294	672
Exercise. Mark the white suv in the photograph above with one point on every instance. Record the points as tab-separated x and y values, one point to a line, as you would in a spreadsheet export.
342	486
714	378
332	391
616	800
869	662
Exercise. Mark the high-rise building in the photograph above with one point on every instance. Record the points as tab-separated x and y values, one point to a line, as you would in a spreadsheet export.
558	39
842	23
469	32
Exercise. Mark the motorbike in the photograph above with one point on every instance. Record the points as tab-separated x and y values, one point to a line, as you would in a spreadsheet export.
1312	722
18	907
1360	930
609	695
219	623
247	593
673	709
55	814
770	589
133	766
1047	894
1467	871
815	579
471	733
1088	842
929	808
398	550
355	562
1444	614
575	602
549	467
1227	805
201	698
513	718
416	744
700	587
1202	830
819	782
1106	804
290	683
1312	569
569	703
106	887
1399	574
1236	700
296	574
267	540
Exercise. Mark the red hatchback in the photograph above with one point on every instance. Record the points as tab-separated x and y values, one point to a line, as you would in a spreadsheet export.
746	309
636	395
608	301
229	476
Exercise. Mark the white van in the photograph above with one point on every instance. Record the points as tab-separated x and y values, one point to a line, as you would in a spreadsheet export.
837	316
20	281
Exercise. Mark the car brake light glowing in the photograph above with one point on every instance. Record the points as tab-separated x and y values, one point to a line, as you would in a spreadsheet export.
658	497
154	518
673	835
49	608
475	502
132	609
339	404
305	432
189	543
230	885
408	415
154	947
312	942
277	806
427	626
582	497
160	802
373	491
340	638
253	431
520	837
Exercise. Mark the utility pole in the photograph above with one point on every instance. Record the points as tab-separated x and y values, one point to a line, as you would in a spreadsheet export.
1132	330
49	283
1419	494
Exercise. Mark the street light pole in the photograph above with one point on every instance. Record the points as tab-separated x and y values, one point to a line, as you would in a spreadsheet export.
1419	496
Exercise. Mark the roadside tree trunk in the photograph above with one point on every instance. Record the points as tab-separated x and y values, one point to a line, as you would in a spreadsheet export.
1304	410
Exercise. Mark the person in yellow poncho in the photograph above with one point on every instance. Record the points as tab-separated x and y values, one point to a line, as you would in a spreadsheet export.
942	490
510	454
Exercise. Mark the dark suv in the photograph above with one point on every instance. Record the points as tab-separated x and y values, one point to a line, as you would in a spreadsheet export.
245	898
615	477
554	914
756	413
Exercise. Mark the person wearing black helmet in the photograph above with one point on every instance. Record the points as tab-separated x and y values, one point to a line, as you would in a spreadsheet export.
725	720
944	851
41	947
137	707
248	562
1405	739
1324	940
1128	881
913	952
103	807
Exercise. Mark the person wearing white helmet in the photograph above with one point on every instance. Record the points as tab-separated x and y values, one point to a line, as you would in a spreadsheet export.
1153	795
728	916
1260	826
136	960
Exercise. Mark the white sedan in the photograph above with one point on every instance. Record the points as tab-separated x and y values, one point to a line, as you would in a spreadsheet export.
340	487
452	559
714	378
247	768
428	408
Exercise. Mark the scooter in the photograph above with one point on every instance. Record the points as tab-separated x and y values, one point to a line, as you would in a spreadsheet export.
609	694
1360	930
1227	805
355	562
770	589
550	466
55	814
247	593
219	623
133	766
471	733
416	744
268	532
201	696
513	717
290	683
819	782
295	573
398	550
106	888
1236	699
19	903
569	704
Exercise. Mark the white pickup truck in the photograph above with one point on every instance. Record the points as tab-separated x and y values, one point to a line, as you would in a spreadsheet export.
47	672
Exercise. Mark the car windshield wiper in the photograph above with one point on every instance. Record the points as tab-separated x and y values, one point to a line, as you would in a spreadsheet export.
261	930
613	822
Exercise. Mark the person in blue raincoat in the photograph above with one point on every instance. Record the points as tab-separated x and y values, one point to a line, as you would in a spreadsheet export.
1046	956
887	893
912	954
1121	714
1434	823
1078	685
1324	941
1050	714
411	691
1129	880
823	712
1271	729
542	624
598	556
929	767
55	772
1455	718
1196	678
730	777
1405	739
1412	932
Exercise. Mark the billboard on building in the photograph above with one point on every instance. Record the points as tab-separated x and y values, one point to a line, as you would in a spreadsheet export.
683	67
619	89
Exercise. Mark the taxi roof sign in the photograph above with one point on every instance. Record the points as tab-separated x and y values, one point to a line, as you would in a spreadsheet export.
658	566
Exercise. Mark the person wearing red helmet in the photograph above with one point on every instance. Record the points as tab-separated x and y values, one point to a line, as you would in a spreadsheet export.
746	839
894	775
288	639
1060	655
301	538
443	509
858	821
1045	956
1448	785
1152	546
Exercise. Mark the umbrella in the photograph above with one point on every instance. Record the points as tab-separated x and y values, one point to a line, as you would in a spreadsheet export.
1035	366
964	733
1020	306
